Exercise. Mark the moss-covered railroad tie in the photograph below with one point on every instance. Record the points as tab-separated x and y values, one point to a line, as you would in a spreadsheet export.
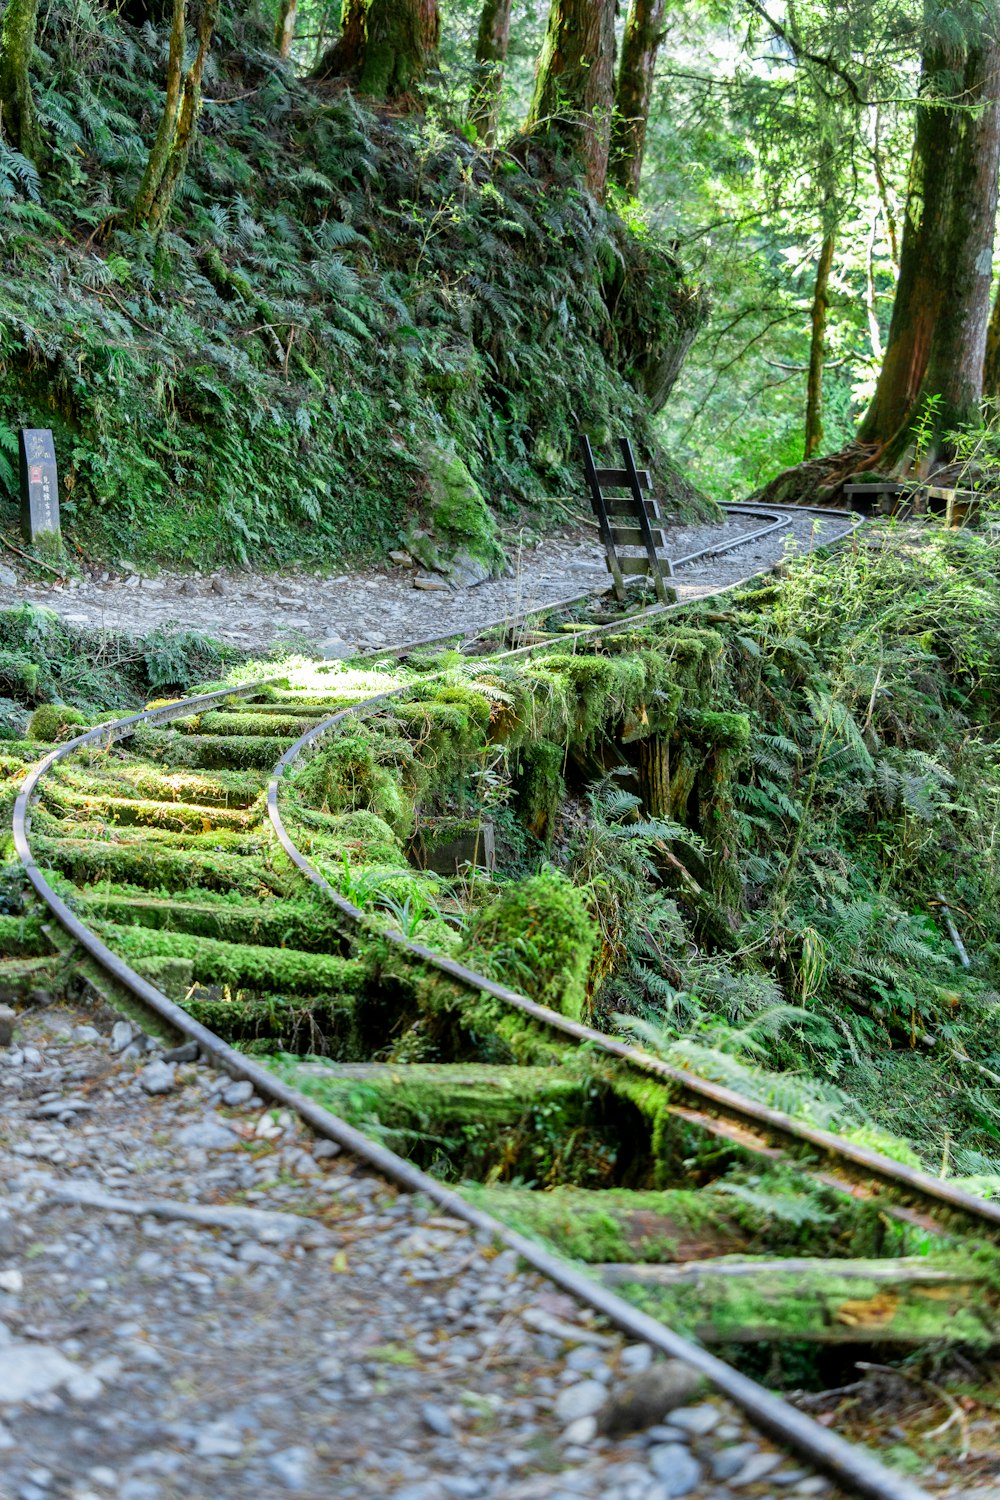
165	846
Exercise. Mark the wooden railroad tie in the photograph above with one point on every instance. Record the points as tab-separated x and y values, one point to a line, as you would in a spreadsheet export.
627	521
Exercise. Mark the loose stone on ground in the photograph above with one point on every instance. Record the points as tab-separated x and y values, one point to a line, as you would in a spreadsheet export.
183	1316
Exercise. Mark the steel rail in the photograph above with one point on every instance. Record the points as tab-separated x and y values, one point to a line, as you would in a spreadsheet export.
854	1468
788	512
851	1466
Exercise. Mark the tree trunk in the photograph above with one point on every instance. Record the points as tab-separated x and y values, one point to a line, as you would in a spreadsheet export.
284	30
991	362
181	108
643	34
937	335
345	57
17	109
814	382
401	42
574	89
491	55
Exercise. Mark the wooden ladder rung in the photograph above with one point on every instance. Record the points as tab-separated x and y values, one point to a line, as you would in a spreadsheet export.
620	477
631	536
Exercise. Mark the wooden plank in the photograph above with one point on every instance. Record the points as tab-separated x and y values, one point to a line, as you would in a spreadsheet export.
614	504
631	567
620	478
884	487
631	536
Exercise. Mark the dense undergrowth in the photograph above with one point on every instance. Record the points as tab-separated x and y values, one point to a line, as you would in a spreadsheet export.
341	302
45	661
823	758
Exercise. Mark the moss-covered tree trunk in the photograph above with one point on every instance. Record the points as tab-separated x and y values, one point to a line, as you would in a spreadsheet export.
284	27
817	348
643	34
17	108
937	335
344	59
487	83
400	49
182	105
574	89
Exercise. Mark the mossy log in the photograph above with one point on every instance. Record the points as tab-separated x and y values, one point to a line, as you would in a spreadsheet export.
20	975
137	779
909	1301
141	812
439	1096
211	751
256	723
242	965
305	924
617	1225
86	861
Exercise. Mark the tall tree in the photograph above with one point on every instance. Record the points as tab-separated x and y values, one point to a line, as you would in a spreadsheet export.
574	87
401	43
178	122
389	46
284	27
636	72
817	347
18	119
937	334
487	81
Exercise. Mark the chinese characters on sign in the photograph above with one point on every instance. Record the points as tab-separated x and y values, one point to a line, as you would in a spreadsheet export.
39	484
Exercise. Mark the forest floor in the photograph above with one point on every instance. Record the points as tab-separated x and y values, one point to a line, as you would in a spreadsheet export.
375	607
146	1356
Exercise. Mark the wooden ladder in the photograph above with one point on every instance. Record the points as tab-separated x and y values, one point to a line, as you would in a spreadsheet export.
629	520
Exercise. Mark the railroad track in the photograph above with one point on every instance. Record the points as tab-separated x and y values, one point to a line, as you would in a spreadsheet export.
189	866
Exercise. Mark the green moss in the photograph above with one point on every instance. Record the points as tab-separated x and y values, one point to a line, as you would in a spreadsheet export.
241	965
539	786
459	515
95	776
212	751
536	936
306	922
86	861
51	721
22	937
141	812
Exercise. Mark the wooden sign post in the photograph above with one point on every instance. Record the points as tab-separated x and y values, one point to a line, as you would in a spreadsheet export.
40	489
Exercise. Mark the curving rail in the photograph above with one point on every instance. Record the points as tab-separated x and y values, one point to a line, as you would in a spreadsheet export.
855	1469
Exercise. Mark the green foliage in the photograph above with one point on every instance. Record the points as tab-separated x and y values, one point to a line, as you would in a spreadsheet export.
336	297
538	937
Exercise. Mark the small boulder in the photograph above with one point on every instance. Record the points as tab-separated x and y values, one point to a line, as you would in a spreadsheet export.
8	1017
645	1399
158	1078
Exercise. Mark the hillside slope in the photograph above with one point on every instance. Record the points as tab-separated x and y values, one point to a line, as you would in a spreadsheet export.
341	302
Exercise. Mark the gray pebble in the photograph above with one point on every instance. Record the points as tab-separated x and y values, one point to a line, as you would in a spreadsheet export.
675	1467
436	1419
158	1078
291	1467
729	1461
239	1092
580	1400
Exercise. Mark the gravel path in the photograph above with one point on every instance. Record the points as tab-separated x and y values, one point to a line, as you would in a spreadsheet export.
380	607
337	1340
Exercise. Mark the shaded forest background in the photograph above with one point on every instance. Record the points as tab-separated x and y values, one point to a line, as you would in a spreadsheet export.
271	271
